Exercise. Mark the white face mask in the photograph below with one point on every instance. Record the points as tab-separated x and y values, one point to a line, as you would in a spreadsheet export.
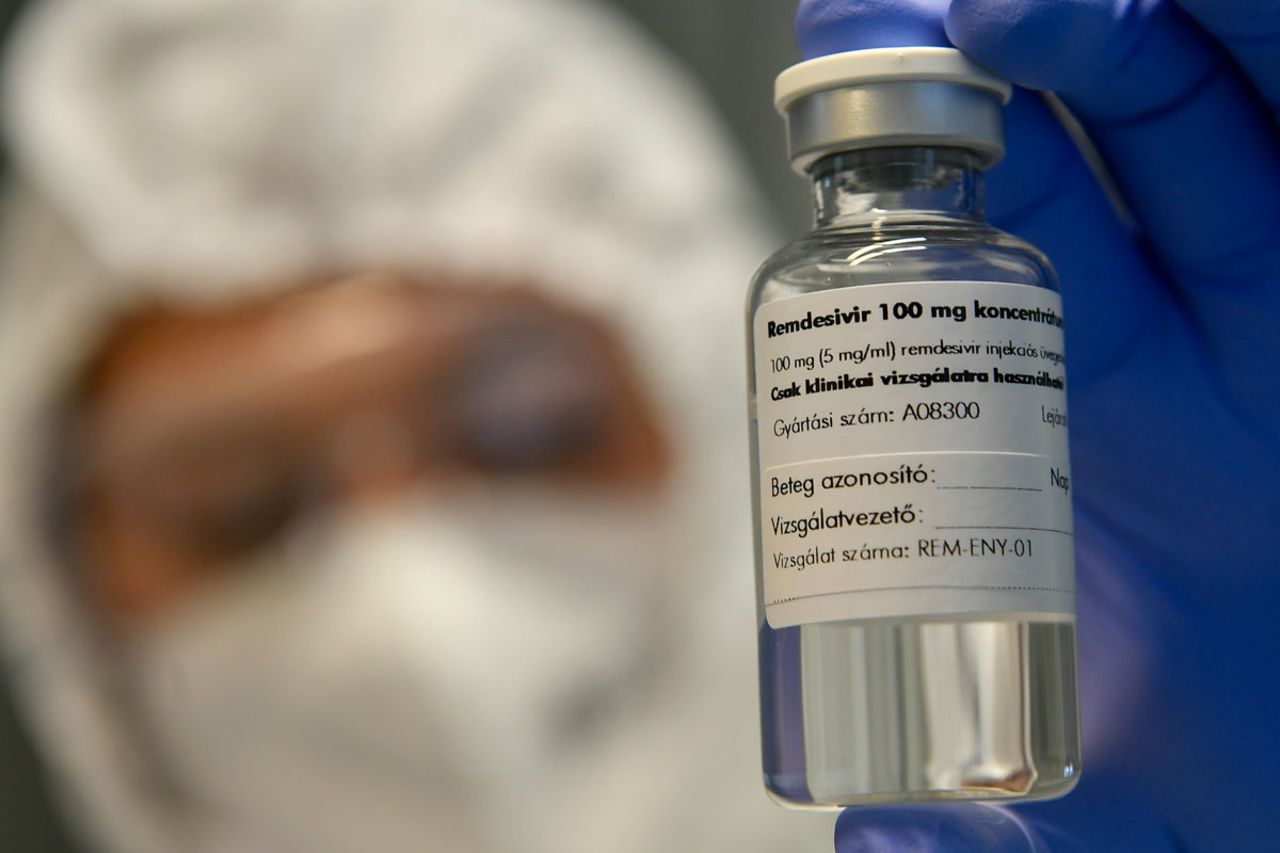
418	679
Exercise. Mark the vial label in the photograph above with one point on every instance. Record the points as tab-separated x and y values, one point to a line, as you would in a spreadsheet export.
913	453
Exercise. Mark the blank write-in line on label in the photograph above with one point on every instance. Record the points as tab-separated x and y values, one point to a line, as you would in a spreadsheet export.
998	488
993	527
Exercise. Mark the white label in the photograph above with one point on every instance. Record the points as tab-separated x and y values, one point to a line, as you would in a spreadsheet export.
913	453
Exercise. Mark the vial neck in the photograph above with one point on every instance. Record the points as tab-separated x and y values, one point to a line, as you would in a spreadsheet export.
886	184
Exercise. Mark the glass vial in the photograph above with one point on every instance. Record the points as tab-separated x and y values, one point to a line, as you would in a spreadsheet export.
914	552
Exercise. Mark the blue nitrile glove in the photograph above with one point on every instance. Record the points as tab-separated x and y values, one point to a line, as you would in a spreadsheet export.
1173	340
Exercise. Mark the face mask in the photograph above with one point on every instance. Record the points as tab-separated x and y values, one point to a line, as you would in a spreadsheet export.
416	679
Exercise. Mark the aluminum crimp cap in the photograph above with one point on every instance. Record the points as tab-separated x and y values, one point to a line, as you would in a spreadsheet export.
883	97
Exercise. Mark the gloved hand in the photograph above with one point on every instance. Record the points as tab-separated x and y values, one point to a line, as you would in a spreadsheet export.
1173	341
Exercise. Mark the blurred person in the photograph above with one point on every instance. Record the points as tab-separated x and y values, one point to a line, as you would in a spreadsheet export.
372	469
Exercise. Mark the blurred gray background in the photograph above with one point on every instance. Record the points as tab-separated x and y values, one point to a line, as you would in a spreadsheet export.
734	49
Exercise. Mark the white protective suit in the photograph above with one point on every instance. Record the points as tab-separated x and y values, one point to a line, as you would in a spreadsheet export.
189	151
